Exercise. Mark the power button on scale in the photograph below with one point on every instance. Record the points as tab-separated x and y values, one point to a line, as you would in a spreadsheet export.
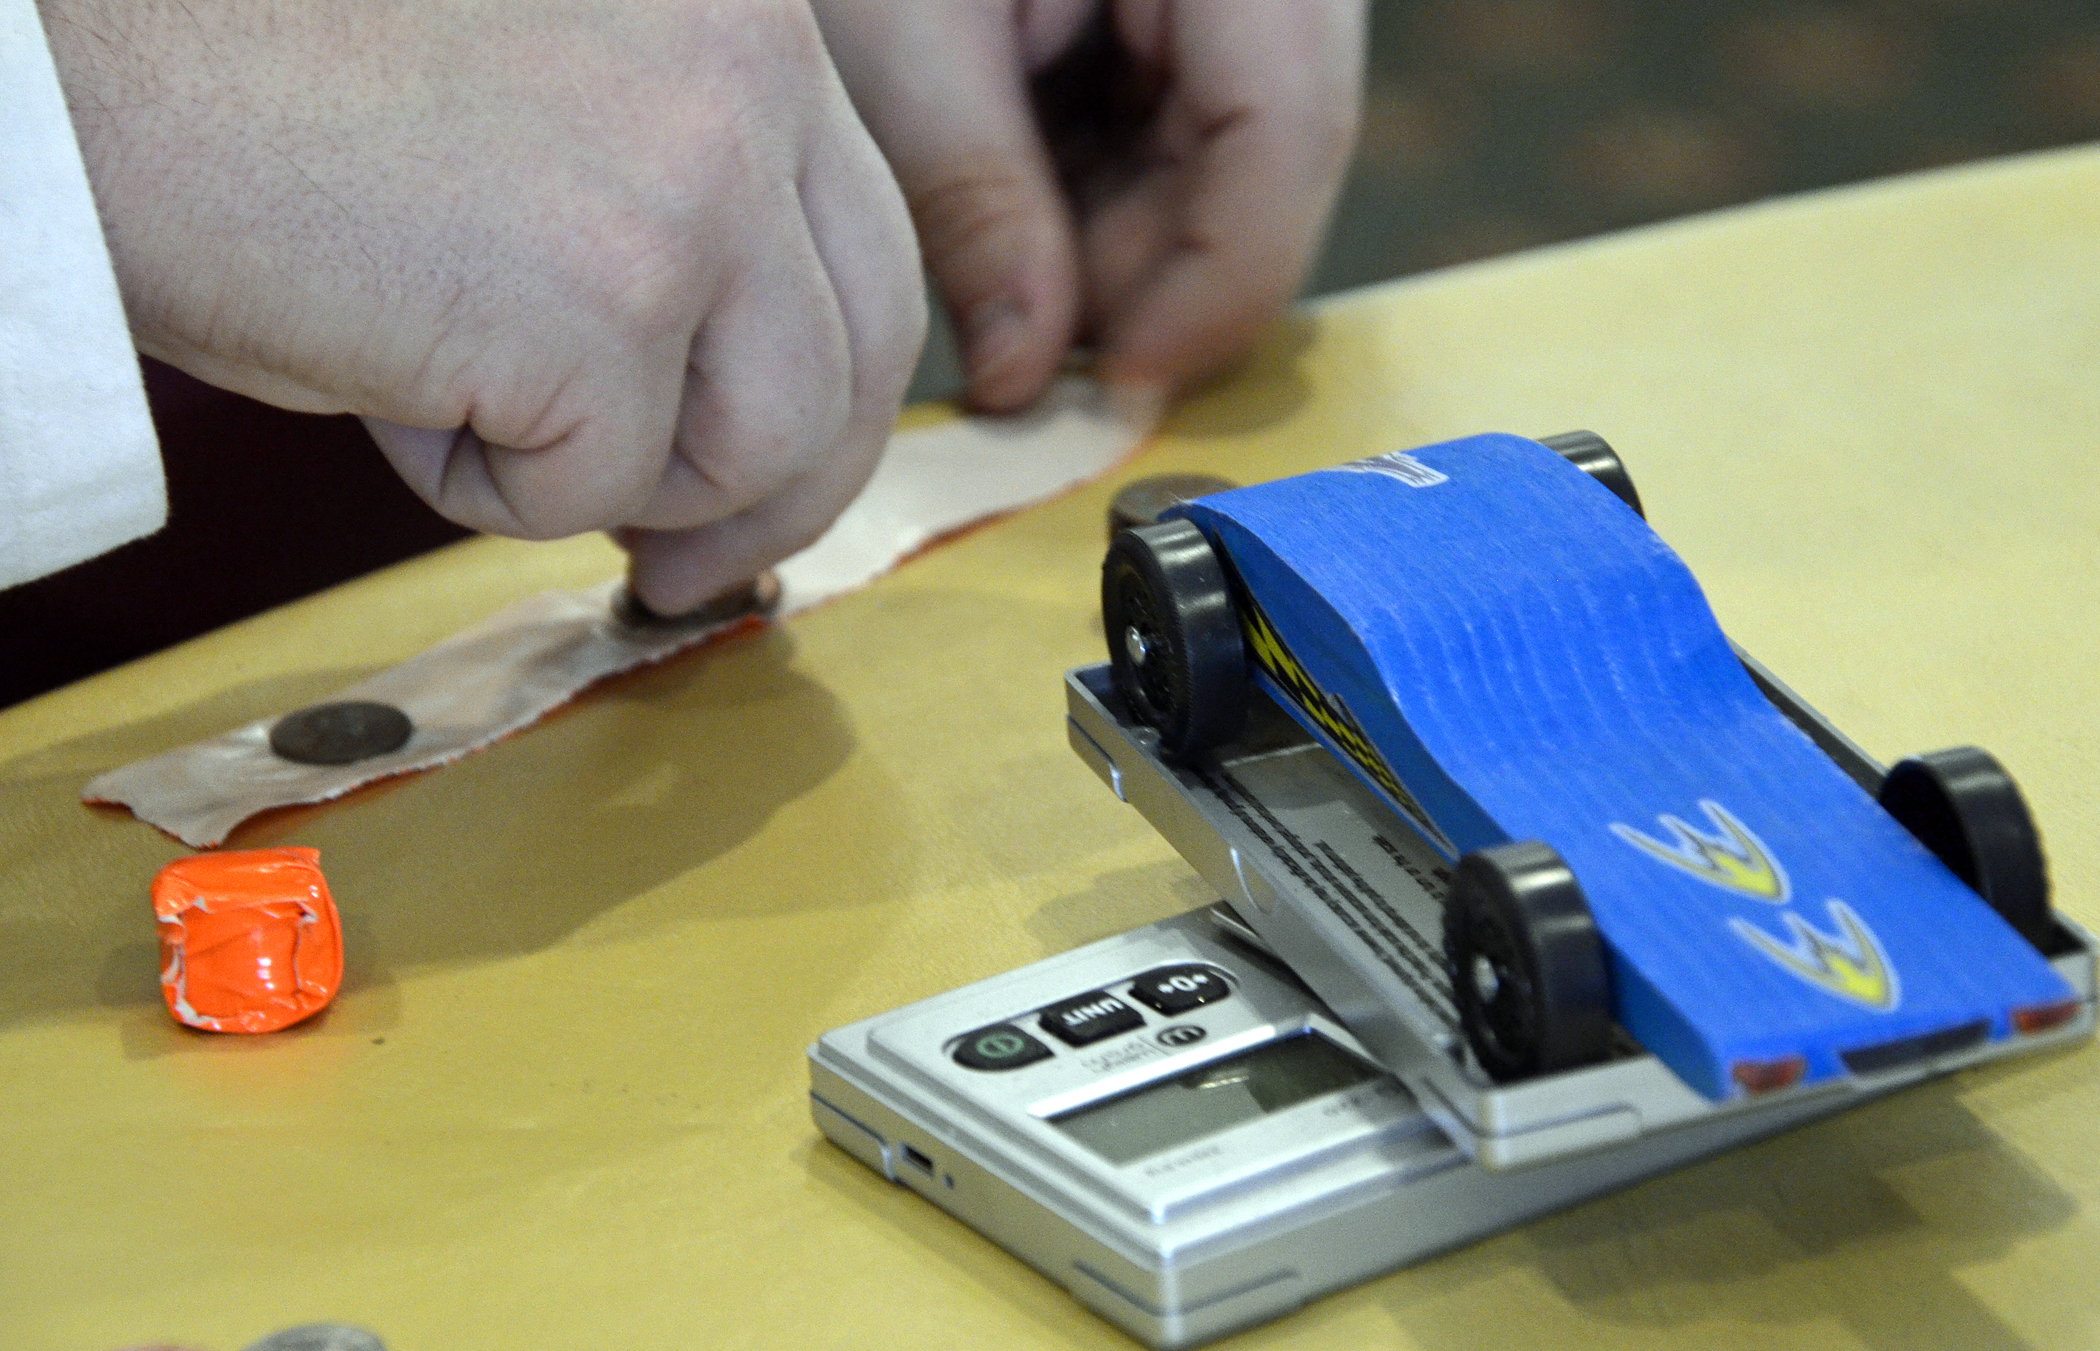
1002	1046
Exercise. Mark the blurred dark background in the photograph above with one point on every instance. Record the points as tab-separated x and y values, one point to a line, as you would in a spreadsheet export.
1489	126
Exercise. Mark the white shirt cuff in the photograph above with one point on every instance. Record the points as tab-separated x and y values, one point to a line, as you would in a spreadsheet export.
79	466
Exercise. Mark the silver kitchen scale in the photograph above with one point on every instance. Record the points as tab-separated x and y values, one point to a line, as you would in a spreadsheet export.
1205	1122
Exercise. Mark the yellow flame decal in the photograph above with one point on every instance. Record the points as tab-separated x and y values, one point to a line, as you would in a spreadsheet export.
1849	964
1332	716
1734	859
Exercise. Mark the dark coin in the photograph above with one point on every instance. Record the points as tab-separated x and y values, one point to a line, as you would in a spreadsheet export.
757	596
340	734
1141	501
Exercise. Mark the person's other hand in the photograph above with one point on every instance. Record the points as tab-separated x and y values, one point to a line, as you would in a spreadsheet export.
581	263
1166	215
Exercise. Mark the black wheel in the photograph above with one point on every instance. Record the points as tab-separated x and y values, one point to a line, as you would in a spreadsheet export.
1527	968
1594	456
1964	807
1173	638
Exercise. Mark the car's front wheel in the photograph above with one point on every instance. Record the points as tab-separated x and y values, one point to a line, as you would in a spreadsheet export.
1527	968
1174	644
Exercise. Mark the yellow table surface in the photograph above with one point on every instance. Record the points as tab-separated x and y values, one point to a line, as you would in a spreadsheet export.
560	1102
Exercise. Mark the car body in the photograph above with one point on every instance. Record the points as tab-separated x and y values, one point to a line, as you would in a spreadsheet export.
1504	651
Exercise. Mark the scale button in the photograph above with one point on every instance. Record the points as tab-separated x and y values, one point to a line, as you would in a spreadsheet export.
1090	1017
1002	1046
1177	989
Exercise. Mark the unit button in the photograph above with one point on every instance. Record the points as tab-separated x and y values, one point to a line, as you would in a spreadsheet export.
1002	1046
1177	989
1090	1017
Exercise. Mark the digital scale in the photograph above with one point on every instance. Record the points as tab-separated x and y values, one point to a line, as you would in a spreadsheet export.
1173	1125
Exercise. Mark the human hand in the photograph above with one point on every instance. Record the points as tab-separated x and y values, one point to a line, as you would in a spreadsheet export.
1169	252
580	263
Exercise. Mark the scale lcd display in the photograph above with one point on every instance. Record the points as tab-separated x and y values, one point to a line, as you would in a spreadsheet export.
1217	1097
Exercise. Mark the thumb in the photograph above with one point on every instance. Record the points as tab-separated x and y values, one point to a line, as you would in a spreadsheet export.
943	88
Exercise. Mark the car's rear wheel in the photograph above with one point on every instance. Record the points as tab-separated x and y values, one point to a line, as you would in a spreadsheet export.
1527	967
1593	455
1964	807
1174	644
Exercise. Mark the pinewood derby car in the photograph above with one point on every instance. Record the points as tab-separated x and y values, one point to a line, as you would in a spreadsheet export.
1491	639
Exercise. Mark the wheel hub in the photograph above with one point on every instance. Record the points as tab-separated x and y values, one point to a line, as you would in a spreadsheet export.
1485	982
1504	993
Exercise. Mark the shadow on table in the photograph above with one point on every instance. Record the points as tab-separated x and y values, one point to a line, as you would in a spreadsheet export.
919	1230
1120	900
1866	1222
647	777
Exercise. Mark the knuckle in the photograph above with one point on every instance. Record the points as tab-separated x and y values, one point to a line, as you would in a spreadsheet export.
623	279
741	473
752	455
646	281
886	368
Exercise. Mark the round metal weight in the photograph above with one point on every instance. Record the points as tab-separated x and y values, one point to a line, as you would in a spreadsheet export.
319	1337
759	596
1174	645
1143	501
340	733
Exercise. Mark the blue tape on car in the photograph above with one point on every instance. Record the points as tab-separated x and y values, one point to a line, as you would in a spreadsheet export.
1505	651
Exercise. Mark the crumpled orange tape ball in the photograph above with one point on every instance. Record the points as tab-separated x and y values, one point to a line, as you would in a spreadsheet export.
249	940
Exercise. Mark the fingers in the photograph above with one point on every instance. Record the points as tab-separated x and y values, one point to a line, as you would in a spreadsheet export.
1186	267
861	232
768	392
729	439
690	429
942	86
674	571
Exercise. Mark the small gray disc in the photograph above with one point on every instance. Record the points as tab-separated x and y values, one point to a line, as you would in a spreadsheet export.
319	1337
1141	501
340	734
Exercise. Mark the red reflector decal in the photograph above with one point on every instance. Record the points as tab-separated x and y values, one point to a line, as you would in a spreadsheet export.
1768	1076
2041	1017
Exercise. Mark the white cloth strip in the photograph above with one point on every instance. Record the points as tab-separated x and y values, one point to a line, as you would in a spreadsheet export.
511	670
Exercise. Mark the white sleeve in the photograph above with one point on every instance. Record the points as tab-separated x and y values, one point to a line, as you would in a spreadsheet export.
79	466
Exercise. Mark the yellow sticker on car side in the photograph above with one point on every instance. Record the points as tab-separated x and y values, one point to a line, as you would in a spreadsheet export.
1329	713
